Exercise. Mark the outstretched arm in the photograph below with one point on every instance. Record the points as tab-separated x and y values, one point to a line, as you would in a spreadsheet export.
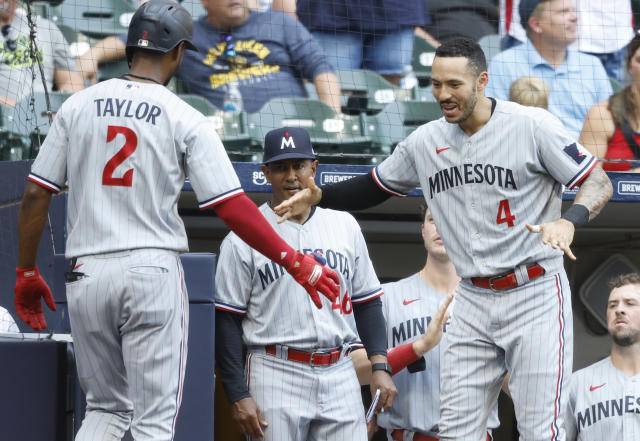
353	194
242	216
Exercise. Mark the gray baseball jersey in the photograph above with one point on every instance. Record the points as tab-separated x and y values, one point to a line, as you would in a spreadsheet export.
483	189
604	403
300	401
7	323
125	148
277	309
409	305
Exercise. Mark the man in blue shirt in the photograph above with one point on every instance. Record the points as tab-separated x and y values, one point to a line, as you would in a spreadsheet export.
577	80
365	34
267	54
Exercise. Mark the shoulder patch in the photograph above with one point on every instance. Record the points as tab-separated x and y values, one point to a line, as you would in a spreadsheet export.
574	153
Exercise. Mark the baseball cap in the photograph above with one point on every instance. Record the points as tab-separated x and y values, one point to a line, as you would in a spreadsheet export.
287	143
525	9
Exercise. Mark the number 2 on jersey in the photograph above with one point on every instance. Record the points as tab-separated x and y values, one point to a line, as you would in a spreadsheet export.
504	214
130	145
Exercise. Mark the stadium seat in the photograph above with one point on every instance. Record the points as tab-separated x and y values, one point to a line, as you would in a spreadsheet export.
37	131
13	146
490	45
398	120
423	94
94	18
112	69
232	128
337	138
368	84
423	54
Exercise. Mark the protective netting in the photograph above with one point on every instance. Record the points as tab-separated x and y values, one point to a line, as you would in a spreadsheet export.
356	75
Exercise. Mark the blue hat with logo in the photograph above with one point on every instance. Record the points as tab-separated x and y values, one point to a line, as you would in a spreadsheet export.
287	143
525	9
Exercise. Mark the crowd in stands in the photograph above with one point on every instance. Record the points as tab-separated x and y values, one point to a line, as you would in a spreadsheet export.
272	48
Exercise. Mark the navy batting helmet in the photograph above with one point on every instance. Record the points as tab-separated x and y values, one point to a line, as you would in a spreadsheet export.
159	25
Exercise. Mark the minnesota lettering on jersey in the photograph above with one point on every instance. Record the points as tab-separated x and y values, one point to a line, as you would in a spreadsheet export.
410	328
335	260
446	179
127	109
608	409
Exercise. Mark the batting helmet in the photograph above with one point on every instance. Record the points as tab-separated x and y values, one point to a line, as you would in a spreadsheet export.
159	25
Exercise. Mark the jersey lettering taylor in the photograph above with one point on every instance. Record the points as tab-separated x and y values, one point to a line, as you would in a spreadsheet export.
125	148
409	305
603	404
279	310
483	189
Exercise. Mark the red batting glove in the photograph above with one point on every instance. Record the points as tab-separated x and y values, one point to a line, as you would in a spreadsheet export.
308	271
30	287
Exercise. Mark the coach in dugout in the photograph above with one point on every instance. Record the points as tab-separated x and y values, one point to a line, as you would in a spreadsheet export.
299	382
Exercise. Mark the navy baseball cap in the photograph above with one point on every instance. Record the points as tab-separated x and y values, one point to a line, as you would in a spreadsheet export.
287	143
525	9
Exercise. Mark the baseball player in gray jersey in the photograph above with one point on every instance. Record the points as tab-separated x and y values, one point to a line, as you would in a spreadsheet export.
492	173
409	305
604	398
124	147
299	382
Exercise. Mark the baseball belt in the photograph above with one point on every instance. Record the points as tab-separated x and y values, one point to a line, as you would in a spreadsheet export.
398	435
507	280
324	357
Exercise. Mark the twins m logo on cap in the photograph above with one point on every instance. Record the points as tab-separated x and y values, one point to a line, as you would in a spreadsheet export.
287	141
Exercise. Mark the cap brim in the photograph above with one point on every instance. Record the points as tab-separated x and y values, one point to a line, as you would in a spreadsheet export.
288	156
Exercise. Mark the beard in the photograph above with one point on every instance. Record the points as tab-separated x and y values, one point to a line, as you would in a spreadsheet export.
625	339
466	108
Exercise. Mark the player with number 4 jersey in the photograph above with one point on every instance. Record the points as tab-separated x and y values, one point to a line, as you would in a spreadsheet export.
492	173
124	147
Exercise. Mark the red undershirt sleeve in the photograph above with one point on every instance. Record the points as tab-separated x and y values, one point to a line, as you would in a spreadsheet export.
241	215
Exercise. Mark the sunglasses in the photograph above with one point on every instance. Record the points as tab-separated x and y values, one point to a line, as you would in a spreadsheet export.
229	48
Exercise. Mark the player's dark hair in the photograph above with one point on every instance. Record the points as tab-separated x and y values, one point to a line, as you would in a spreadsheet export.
623	280
423	210
467	48
624	105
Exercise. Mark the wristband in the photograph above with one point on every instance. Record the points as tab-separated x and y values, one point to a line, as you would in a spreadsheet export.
577	214
382	367
27	272
401	356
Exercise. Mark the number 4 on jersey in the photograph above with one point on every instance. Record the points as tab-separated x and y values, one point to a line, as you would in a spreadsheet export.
130	145
504	214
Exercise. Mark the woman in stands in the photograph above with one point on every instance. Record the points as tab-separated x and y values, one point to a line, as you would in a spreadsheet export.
612	128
